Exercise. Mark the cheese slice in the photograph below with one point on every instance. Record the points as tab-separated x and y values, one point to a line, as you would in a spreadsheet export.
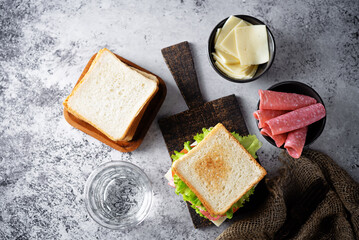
239	69
239	76
227	58
229	43
233	68
231	23
253	71
168	175
228	72
222	60
217	34
219	221
252	44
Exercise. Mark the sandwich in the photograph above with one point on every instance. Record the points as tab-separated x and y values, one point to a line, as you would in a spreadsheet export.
112	96
217	173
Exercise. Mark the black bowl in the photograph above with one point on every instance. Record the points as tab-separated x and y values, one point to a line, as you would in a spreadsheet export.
315	129
262	68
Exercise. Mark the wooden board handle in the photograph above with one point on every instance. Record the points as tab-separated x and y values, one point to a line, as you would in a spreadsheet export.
180	62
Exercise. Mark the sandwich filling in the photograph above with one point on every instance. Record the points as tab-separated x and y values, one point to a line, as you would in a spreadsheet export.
250	143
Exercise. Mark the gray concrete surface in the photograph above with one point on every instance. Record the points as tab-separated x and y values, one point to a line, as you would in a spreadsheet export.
44	46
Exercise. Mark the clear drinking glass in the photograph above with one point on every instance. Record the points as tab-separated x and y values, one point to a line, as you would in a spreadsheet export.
118	195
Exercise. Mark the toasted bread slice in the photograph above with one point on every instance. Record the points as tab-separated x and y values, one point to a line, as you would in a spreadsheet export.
111	96
219	170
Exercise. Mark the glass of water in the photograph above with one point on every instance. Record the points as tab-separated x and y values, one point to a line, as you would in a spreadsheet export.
118	195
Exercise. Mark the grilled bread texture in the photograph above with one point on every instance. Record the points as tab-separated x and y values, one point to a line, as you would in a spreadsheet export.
219	170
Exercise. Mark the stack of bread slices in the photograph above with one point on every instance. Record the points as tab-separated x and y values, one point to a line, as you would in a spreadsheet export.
112	96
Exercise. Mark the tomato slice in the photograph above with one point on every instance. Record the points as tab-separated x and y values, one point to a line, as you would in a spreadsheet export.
184	151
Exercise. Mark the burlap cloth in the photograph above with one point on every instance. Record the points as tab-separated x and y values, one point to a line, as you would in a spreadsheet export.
336	217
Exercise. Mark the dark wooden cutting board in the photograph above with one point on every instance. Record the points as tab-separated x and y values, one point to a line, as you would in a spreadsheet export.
181	127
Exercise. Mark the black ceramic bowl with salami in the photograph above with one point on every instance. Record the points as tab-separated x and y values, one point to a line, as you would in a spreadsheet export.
262	68
315	129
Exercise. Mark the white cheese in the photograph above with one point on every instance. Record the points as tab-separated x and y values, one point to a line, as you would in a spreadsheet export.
231	23
229	43
227	58
219	221
217	34
219	59
168	175
252	44
240	75
239	69
228	72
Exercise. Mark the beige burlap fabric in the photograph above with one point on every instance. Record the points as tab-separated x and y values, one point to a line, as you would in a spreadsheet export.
336	217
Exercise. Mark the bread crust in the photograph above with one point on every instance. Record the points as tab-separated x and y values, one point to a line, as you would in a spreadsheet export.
131	129
197	148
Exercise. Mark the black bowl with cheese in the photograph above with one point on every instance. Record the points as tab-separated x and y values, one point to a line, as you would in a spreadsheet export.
262	68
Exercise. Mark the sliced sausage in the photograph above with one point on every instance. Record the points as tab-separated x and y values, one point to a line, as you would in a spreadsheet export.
263	115
278	139
296	119
283	101
295	142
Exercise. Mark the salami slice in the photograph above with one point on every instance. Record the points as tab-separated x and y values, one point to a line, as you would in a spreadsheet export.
283	101
263	115
296	119
295	142
278	139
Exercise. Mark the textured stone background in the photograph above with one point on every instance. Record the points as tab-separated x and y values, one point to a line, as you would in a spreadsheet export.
44	46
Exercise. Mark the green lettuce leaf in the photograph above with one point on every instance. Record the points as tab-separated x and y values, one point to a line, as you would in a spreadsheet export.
250	142
177	155
187	146
199	136
240	203
187	194
198	211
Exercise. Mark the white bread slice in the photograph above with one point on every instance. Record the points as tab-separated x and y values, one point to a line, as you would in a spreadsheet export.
219	170
147	75
111	95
